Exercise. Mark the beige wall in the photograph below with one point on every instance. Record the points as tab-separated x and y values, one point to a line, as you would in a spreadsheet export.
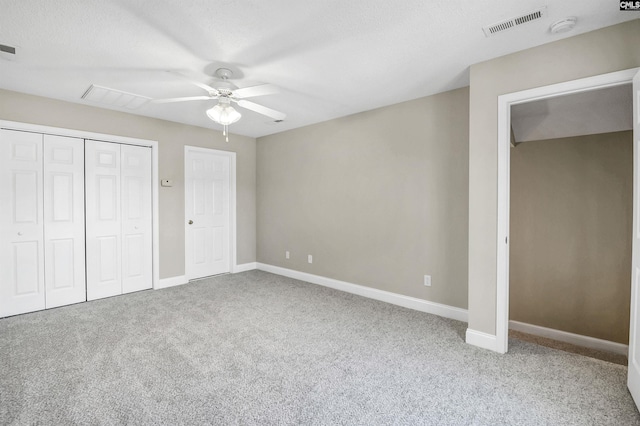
598	52
570	232
378	198
171	137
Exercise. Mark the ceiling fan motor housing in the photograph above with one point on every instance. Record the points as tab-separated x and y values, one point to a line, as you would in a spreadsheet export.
224	73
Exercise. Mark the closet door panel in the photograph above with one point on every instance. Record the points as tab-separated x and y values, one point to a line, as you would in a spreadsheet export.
136	218
103	219
21	223
64	220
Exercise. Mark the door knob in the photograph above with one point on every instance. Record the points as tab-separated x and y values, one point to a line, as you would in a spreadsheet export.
19	233
190	222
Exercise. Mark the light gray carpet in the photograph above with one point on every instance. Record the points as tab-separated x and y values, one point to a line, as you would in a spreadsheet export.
259	349
568	347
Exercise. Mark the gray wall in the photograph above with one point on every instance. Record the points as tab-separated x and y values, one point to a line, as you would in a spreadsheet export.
171	137
598	52
570	231
378	198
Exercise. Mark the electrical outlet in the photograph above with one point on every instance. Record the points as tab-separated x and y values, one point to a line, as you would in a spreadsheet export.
427	280
310	259
286	254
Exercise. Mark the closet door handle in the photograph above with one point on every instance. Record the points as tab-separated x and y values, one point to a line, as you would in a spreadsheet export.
190	222
19	233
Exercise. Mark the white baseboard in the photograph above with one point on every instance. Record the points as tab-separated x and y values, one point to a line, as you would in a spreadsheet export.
482	340
171	282
245	267
182	279
372	293
574	339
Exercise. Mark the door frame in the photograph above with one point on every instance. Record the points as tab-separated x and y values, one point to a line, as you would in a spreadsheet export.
504	163
102	137
232	204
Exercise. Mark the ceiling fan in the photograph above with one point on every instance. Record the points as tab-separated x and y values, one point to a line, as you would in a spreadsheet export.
227	93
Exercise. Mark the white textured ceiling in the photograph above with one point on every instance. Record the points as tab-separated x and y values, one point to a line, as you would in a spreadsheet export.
330	58
585	113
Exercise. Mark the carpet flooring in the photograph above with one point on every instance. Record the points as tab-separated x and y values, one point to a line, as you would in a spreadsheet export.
260	349
568	347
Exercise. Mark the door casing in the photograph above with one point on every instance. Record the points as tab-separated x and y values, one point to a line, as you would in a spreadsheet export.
501	341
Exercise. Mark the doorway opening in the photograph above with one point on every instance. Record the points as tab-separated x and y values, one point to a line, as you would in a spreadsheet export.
571	190
505	103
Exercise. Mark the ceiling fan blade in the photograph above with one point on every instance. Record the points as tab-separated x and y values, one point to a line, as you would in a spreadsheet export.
194	82
276	115
188	98
261	90
204	86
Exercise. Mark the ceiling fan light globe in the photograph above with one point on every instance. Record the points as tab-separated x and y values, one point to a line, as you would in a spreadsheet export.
224	114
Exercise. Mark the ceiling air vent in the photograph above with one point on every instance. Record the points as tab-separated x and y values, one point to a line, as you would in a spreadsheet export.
490	30
7	49
7	52
113	97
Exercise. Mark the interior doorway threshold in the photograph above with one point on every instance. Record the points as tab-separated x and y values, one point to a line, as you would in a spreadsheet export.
568	347
207	277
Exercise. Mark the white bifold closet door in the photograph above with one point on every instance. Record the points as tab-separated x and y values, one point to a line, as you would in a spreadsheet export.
21	219
137	247
41	221
64	221
118	218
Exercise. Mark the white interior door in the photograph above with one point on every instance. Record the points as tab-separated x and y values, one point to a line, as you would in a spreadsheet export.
633	380
21	223
64	220
103	222
136	218
207	228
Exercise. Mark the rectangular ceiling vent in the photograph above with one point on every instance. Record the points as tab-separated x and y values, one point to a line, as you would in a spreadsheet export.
112	97
7	52
7	49
490	30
